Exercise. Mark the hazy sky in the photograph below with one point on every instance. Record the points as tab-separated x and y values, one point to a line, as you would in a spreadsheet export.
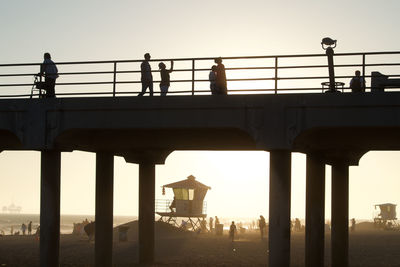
104	30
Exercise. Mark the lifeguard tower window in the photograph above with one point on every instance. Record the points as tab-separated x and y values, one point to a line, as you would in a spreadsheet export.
183	193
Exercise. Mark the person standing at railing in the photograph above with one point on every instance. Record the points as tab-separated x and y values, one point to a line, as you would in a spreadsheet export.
221	77
357	83
50	72
147	77
212	77
165	81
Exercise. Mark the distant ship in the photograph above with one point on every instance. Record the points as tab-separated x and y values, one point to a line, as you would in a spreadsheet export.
12	209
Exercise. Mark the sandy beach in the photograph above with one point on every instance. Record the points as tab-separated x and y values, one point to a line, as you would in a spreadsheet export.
179	248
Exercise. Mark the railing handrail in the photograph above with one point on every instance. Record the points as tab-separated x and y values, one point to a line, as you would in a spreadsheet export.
201	58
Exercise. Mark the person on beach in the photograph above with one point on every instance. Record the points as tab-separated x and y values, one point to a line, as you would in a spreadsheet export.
221	77
146	76
23	228
30	228
216	221
165	80
50	72
212	77
232	231
262	226
353	225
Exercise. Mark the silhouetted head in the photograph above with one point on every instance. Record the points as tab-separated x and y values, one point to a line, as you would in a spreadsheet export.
161	66
47	56
214	68
218	60
358	73
147	56
233	222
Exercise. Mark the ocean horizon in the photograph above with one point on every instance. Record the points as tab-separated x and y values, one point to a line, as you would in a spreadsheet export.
10	221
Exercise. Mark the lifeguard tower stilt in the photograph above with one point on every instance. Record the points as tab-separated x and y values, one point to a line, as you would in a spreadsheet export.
188	204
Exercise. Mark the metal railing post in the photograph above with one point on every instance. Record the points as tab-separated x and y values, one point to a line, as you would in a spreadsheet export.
193	70
363	66
276	75
115	78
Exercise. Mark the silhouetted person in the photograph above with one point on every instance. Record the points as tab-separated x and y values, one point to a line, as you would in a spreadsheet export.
50	72
211	224
23	228
30	228
147	77
262	226
357	83
213	80
353	225
297	225
221	77
216	221
165	81
232	231
173	205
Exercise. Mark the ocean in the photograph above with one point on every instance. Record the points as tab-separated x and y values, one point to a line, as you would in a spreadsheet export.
15	221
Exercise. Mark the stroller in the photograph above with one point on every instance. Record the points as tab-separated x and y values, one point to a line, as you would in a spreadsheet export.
38	85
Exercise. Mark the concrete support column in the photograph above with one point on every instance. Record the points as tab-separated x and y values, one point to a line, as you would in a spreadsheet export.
104	209
340	214
50	208
279	208
315	211
146	212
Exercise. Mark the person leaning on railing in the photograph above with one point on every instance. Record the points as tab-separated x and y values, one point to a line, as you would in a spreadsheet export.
357	83
50	72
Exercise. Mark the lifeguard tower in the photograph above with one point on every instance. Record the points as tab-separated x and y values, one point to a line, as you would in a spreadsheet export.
188	204
386	219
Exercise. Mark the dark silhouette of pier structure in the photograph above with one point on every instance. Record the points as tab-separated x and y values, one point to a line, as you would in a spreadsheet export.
334	128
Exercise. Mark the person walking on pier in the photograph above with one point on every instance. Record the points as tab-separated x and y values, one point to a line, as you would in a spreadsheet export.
146	76
165	81
221	77
357	83
50	72
213	80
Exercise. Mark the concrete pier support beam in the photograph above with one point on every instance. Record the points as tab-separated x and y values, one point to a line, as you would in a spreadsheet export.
315	211
147	161
146	212
279	208
340	214
104	209
50	208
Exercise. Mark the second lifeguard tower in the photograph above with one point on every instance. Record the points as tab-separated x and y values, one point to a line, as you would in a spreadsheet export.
188	204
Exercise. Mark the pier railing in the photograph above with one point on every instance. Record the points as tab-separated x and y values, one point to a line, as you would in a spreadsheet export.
245	75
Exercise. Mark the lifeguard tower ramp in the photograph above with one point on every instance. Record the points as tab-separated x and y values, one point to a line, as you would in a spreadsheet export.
188	204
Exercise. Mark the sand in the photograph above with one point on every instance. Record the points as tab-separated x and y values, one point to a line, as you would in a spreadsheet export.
174	247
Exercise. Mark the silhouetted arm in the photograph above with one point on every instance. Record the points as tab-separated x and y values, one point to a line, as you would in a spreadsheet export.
172	66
